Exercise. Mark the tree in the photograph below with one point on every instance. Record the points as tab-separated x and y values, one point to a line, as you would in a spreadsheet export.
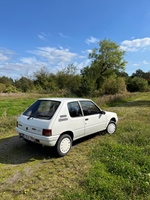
106	60
44	80
88	82
7	81
122	74
68	79
147	77
2	87
138	73
7	85
137	84
24	84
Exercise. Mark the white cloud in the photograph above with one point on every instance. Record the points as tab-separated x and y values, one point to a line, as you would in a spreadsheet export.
135	64
42	36
31	61
24	67
145	62
54	55
56	59
52	58
135	44
11	69
62	35
91	40
5	55
89	51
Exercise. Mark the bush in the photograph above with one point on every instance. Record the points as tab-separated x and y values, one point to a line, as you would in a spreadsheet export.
2	87
113	85
137	84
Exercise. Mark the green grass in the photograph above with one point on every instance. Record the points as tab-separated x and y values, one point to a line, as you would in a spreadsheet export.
114	167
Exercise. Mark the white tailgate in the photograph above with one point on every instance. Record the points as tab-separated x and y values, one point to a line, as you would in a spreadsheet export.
33	125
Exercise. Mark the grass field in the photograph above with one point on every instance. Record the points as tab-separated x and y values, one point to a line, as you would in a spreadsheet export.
114	167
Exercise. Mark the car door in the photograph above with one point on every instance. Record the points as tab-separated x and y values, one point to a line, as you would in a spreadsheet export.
94	119
76	121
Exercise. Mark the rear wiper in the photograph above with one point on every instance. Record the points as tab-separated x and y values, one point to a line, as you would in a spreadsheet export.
43	116
30	116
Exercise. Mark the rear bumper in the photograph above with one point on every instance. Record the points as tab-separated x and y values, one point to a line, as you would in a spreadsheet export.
47	141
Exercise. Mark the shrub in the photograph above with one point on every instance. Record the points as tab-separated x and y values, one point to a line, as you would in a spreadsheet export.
114	85
2	87
137	84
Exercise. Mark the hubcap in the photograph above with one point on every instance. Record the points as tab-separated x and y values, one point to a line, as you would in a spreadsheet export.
65	145
111	128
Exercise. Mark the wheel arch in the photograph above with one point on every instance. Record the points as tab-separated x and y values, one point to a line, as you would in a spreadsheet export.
63	149
113	119
70	133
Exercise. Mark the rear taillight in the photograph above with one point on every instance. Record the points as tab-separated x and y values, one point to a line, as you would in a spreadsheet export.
47	132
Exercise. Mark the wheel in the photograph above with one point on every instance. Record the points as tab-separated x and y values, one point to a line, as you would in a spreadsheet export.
111	128
64	145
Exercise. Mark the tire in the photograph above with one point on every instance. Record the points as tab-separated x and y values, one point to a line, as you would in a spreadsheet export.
111	128
63	145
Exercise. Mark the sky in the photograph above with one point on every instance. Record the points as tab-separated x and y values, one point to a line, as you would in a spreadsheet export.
56	33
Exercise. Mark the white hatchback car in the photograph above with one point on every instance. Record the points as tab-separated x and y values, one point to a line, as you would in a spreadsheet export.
59	121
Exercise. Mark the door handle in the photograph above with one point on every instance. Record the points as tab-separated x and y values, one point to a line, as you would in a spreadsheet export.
86	119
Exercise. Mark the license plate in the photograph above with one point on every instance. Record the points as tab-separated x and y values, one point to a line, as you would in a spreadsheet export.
28	137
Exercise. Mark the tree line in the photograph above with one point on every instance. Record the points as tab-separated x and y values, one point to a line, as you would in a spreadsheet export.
105	75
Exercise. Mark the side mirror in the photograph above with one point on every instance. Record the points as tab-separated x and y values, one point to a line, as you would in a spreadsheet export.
102	112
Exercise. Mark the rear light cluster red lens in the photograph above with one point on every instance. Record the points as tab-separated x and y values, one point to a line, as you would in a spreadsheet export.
47	132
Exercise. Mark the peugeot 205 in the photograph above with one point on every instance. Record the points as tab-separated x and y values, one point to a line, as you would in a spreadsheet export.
60	121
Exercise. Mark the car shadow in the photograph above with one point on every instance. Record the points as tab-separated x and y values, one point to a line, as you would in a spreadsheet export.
89	137
15	150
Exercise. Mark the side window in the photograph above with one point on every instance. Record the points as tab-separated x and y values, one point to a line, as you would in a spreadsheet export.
74	109
89	108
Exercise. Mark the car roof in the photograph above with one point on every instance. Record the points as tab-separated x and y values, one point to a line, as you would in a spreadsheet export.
63	99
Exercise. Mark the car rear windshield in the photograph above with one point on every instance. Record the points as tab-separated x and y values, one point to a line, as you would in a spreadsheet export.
42	109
